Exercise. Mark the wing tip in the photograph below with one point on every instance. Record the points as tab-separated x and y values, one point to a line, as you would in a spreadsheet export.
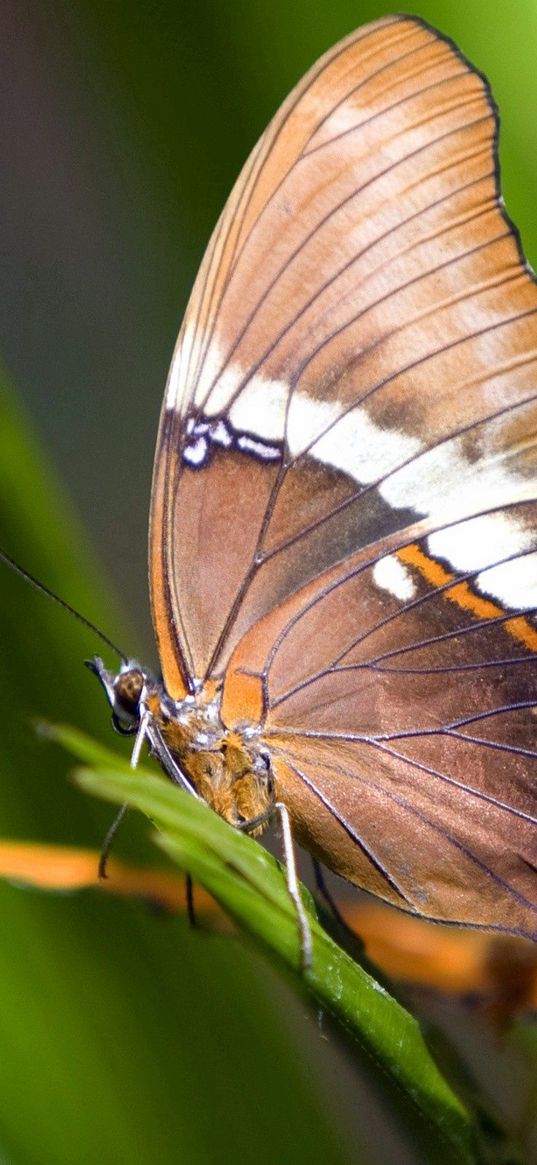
496	118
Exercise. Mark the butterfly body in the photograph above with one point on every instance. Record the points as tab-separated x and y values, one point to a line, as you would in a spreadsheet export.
229	770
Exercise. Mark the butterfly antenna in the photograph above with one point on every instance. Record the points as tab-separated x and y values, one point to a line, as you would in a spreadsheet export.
39	586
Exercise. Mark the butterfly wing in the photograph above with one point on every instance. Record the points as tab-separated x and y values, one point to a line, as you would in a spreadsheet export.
359	288
343	517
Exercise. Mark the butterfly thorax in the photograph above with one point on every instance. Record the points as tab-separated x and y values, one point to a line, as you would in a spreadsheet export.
228	770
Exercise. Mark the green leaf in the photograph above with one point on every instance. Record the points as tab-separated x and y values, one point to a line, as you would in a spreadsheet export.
122	1037
251	887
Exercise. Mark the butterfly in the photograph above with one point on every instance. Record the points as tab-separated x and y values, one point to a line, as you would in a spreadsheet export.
343	531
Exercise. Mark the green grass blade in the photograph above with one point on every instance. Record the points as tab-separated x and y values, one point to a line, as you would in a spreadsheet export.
121	1040
250	885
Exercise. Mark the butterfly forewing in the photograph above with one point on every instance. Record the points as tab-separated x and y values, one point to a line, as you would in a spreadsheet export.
344	523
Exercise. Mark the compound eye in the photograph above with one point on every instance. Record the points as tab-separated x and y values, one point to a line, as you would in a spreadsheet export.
128	689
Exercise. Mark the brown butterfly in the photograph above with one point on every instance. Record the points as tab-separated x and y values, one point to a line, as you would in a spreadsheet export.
343	545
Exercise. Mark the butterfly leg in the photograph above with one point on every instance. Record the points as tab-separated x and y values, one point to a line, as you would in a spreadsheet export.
354	944
325	893
148	728
108	842
141	734
293	887
189	899
291	876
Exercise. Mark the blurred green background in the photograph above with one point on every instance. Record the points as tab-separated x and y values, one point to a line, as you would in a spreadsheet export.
123	1037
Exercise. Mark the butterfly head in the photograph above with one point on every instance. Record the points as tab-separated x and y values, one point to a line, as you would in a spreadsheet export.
125	691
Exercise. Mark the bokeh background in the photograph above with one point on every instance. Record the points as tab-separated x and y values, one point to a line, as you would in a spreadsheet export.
124	125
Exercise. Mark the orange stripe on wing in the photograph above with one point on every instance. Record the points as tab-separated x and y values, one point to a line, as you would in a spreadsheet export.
463	595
